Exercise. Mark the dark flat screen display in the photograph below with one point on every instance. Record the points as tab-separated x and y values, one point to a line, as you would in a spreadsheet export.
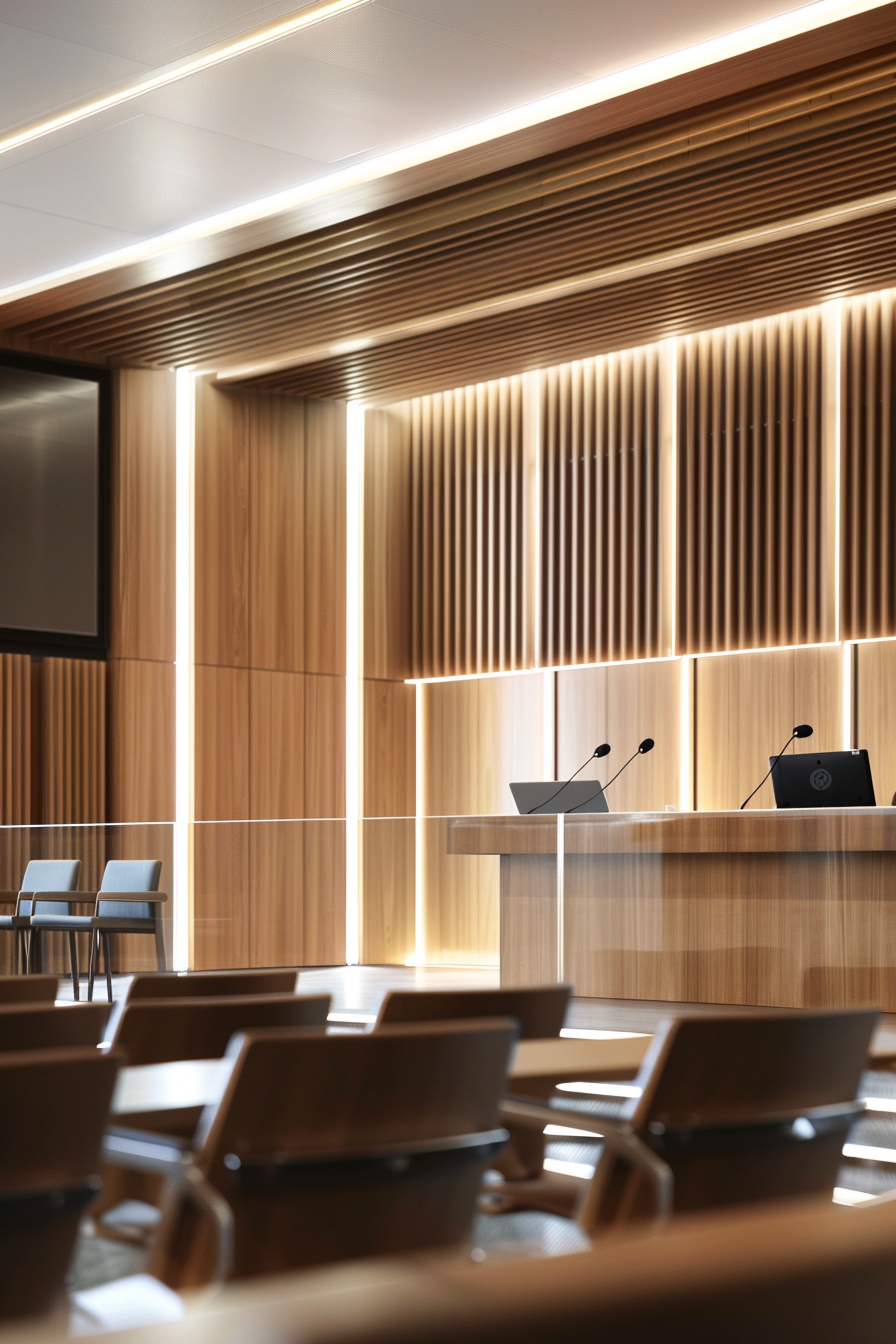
50	505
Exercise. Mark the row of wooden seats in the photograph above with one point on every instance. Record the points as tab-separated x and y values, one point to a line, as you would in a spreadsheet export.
378	1143
805	1272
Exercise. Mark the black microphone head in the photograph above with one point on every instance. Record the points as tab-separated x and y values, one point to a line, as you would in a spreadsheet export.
803	730
646	745
603	749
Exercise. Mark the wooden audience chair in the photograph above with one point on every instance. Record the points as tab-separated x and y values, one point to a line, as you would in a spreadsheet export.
540	1011
733	1109
54	1111
41	875
328	1148
43	1026
128	901
211	984
154	1031
28	988
159	1031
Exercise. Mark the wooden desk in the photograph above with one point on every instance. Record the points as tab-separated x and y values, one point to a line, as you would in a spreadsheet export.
788	909
187	1083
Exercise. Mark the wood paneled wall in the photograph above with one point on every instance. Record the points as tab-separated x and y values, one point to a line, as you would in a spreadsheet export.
622	706
755	486
73	741
269	680
15	739
602	593
745	710
875	713
478	736
868	580
140	685
468	603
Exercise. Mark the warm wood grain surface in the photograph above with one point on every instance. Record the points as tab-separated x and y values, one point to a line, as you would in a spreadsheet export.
623	705
142	580
210	261
821	830
15	739
140	739
745	710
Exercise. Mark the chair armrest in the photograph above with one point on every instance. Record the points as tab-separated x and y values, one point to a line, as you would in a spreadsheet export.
138	897
618	1136
167	1156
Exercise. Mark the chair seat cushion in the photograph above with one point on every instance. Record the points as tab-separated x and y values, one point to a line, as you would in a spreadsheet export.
6	922
62	923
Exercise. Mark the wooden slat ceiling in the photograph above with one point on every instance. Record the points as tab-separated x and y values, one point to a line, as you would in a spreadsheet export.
822	140
853	259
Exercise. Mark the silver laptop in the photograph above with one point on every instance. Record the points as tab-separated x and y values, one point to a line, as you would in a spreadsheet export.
582	795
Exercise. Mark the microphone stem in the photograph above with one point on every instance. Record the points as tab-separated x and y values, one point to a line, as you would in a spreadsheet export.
561	788
768	771
604	788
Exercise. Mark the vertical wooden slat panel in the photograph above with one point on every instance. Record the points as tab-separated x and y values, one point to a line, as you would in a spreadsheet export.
868	562
751	487
15	739
601	511
73	737
466	490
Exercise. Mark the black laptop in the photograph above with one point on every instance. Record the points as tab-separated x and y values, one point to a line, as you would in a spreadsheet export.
823	779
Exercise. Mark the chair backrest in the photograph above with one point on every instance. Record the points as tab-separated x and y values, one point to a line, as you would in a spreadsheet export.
333	1147
49	875
28	988
129	875
156	1031
43	1026
801	1273
210	984
742	1108
540	1010
55	1108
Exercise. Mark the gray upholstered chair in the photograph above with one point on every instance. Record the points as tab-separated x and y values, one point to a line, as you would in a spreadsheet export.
128	901
41	875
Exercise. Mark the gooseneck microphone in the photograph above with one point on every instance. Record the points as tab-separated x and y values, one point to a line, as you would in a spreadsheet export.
647	745
801	730
602	750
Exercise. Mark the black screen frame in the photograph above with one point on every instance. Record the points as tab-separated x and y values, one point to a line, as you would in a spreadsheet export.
61	644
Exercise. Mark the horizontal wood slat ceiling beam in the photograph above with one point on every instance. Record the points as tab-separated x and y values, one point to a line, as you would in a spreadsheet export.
821	138
853	259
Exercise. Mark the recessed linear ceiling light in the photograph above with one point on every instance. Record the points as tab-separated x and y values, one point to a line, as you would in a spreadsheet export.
190	65
794	23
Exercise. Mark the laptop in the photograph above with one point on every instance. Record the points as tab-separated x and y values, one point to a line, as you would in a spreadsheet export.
823	779
582	795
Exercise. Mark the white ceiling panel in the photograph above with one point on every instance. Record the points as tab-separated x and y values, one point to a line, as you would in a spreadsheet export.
40	74
154	33
273	105
30	237
407	52
593	37
384	75
146	175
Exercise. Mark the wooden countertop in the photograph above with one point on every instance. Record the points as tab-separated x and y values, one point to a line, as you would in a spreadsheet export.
814	830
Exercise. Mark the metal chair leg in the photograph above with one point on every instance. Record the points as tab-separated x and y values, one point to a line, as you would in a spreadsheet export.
91	964
108	960
32	953
73	958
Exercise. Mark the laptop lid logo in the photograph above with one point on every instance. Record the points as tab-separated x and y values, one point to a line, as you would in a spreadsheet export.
821	779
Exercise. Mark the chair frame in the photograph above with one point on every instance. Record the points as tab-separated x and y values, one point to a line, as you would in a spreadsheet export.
31	935
103	925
